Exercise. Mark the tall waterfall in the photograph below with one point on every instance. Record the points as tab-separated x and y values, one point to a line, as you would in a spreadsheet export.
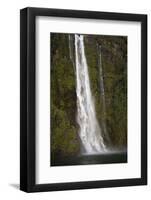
102	83
89	130
102	91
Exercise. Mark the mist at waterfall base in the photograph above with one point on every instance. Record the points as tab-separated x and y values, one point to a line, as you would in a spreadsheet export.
94	149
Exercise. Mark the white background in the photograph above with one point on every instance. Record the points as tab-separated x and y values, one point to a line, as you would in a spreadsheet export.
45	174
9	99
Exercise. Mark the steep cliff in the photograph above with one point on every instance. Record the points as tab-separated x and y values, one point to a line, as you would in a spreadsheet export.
111	105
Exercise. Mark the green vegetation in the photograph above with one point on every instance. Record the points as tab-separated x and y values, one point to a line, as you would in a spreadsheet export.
64	129
114	63
64	137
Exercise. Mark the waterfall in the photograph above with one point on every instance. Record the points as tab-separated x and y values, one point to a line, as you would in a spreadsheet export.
89	129
102	91
71	51
102	83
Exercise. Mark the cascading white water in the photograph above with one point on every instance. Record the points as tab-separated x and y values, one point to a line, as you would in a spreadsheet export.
89	131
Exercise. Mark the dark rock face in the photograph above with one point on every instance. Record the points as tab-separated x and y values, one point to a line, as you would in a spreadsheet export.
64	137
114	64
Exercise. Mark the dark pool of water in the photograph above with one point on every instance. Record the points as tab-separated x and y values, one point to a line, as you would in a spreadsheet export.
118	157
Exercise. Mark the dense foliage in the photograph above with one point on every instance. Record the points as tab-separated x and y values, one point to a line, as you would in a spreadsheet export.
64	129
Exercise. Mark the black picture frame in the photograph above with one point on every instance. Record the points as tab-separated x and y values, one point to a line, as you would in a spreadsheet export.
28	98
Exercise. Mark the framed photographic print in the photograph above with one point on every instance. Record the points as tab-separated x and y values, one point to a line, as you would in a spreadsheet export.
83	95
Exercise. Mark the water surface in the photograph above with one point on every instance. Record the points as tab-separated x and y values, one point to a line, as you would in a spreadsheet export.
120	157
